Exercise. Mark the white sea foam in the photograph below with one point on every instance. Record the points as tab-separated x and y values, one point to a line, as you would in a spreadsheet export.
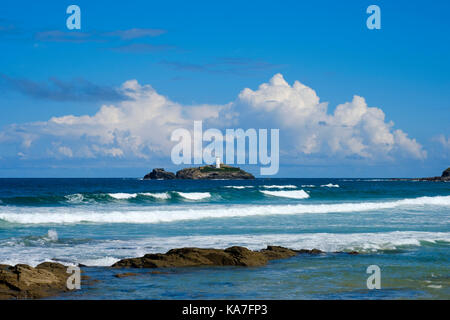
435	286
98	262
308	186
107	252
288	186
297	194
74	198
52	235
238	187
328	242
122	196
330	185
158	195
195	195
63	215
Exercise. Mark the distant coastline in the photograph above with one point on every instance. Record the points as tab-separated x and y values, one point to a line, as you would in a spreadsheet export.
444	177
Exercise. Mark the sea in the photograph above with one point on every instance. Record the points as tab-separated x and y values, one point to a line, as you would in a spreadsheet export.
401	227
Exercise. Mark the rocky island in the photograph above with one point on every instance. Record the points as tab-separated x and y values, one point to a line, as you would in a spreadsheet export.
159	174
207	172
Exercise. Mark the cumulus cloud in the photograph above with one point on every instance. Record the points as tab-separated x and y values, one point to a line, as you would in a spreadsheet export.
141	125
353	129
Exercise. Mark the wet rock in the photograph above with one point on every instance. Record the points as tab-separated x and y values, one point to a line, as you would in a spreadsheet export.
196	257
276	252
312	251
24	282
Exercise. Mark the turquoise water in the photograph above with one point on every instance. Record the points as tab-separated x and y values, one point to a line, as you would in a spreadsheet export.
401	226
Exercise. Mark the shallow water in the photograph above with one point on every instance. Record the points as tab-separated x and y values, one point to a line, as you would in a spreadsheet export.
401	226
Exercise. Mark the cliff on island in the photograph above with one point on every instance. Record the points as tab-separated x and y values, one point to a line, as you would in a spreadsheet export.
208	172
159	174
444	177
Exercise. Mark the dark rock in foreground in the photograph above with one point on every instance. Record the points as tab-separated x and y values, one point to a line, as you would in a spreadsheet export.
24	282
159	173
211	172
444	177
197	257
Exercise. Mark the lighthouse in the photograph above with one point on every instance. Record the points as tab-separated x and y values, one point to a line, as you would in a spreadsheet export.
217	163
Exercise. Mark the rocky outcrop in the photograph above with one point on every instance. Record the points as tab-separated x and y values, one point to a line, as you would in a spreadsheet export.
201	173
197	257
211	172
444	177
24	282
160	174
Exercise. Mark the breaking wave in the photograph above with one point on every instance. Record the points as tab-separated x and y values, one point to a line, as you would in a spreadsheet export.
107	252
194	195
122	196
157	195
289	186
330	185
45	215
297	194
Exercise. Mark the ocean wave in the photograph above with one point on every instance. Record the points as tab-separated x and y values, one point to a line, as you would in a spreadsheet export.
194	195
74	198
288	186
107	252
297	194
157	195
122	196
146	215
239	187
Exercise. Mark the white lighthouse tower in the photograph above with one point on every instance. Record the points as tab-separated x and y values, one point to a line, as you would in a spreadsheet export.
217	163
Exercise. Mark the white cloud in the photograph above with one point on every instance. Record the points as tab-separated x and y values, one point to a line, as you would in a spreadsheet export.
141	125
137	127
354	129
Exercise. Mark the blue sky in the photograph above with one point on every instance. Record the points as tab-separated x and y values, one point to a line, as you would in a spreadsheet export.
205	53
